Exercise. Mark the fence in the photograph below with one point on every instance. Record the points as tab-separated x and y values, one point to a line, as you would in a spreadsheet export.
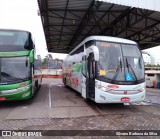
52	73
53	64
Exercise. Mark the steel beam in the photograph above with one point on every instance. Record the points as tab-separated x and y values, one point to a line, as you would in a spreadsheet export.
63	22
97	22
130	23
86	19
117	19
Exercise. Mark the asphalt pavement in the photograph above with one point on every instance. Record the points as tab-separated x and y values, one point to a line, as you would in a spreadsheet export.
56	107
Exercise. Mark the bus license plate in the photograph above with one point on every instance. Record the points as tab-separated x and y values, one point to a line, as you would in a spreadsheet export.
125	99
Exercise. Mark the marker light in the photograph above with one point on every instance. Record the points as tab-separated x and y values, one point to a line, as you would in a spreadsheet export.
104	89
141	89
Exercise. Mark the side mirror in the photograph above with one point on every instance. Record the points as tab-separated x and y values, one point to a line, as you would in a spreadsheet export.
94	50
29	45
31	56
140	64
26	63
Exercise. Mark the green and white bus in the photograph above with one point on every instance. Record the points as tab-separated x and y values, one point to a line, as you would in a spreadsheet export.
20	68
106	70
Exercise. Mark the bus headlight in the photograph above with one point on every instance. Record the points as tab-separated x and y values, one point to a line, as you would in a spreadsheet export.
141	89
26	94
24	88
12	91
104	89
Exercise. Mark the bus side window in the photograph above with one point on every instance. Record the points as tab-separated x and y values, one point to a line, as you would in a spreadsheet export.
84	70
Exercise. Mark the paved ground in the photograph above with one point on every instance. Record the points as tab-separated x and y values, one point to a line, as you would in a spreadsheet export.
58	108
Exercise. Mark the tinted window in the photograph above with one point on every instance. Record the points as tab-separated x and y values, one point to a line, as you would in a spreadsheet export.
12	40
14	69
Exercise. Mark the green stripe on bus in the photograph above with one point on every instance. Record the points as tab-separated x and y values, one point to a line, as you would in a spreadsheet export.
18	95
76	68
14	86
18	53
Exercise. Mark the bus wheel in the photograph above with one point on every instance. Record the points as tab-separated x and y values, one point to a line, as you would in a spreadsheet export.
64	81
36	87
33	91
40	83
87	97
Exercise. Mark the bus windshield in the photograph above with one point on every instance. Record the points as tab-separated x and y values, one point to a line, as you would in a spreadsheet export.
14	40
120	62
14	69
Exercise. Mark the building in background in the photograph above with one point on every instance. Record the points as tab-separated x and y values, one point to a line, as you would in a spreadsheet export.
52	63
147	59
157	60
152	56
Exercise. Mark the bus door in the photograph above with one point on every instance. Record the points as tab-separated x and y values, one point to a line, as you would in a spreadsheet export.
91	76
84	75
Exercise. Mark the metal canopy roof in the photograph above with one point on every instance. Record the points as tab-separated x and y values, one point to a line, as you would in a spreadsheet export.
143	4
67	22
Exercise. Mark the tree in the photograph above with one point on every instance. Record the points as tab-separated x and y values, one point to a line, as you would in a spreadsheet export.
44	61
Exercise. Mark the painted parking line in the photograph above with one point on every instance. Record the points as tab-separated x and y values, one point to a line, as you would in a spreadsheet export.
49	92
60	84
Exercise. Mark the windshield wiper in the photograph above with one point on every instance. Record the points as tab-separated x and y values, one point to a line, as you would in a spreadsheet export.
5	74
129	66
8	75
117	71
140	64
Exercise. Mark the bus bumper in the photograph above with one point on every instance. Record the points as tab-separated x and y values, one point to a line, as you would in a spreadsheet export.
105	97
22	95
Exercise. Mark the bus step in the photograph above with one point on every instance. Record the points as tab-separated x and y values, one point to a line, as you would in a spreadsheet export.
90	91
91	95
92	83
91	86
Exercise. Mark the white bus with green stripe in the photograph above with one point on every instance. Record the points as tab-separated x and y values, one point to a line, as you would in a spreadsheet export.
20	68
106	70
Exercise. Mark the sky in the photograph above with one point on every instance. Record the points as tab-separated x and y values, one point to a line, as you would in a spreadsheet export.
23	14
155	51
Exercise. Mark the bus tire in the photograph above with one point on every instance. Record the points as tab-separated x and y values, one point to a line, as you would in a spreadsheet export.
87	97
36	87
39	86
41	82
33	91
64	81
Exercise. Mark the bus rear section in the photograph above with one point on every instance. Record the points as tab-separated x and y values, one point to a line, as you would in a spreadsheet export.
17	81
112	70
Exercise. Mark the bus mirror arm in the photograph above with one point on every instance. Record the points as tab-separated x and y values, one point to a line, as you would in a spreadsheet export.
84	58
96	53
26	63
